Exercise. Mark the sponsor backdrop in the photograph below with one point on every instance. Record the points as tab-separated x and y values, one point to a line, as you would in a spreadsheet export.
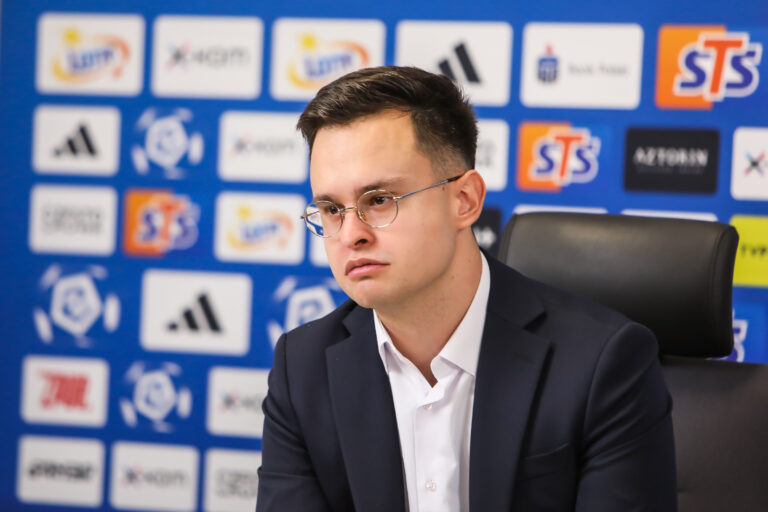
152	183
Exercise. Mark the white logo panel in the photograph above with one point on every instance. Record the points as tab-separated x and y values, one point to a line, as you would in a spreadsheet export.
749	167
72	220
234	401
60	470
309	53
492	152
668	214
476	55
65	391
203	312
207	56
581	65
153	477
90	54
76	140
256	146
261	228
231	480
317	254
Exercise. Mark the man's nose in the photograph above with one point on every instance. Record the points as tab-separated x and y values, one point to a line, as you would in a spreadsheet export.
354	232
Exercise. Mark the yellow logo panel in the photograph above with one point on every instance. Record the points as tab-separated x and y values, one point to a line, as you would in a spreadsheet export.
752	254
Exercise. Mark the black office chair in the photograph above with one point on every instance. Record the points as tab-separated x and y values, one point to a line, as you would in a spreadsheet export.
675	276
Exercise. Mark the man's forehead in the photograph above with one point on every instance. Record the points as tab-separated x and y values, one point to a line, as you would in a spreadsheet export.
335	190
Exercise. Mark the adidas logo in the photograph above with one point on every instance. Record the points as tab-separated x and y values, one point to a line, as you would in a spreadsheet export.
464	61
77	144
197	317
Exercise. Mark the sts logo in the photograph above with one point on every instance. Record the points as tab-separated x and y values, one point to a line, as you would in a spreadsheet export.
700	65
158	221
554	155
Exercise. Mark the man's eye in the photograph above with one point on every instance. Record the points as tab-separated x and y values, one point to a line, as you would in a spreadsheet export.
380	200
331	209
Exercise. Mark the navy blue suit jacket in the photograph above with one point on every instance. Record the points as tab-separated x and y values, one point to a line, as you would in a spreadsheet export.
571	412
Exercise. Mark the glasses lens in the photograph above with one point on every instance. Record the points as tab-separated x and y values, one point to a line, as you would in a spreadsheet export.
323	218
377	208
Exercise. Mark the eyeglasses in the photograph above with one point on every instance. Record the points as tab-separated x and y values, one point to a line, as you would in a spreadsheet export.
377	208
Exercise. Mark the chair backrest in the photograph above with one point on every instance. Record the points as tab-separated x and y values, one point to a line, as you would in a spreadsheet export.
675	276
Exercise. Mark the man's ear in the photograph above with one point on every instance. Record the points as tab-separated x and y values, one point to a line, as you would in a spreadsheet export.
470	195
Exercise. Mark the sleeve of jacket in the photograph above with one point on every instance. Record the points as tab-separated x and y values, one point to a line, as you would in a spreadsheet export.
287	479
628	448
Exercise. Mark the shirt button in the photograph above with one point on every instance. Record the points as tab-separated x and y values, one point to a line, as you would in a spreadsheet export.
428	406
430	485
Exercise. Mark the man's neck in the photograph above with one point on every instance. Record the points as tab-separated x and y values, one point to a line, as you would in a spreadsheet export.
421	327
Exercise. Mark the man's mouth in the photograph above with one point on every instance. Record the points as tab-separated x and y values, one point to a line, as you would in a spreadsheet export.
362	267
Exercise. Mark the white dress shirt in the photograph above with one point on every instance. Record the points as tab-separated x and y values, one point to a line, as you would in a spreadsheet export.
434	422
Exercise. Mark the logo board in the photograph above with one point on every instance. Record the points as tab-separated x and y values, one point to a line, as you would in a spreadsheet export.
309	53
207	56
664	160
199	312
582	65
90	54
257	146
68	219
476	55
234	401
65	391
60	470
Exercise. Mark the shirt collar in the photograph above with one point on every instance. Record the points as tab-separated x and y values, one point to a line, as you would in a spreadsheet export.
463	347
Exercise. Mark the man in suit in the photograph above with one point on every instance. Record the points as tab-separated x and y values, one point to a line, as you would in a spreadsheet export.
449	382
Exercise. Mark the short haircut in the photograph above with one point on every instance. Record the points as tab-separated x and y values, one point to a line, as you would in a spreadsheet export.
443	120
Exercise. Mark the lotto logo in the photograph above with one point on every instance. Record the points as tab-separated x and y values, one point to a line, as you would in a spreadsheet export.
554	155
158	221
701	65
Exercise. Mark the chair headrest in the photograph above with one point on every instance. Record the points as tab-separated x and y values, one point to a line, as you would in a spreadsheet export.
673	275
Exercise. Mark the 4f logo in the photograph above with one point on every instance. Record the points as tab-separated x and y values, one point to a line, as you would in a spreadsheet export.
699	66
553	156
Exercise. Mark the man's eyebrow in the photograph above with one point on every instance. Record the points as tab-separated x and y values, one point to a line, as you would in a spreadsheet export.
384	184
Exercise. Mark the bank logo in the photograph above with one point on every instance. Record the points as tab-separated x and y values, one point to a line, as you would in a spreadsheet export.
476	55
547	66
169	143
148	476
155	396
76	305
207	56
158	221
309	53
297	301
555	155
81	141
90	54
596	65
749	166
60	471
751	267
72	220
491	157
234	401
65	391
265	147
699	66
262	228
663	160
199	312
231	479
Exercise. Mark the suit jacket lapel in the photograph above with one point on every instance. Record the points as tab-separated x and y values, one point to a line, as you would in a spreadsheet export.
364	411
508	370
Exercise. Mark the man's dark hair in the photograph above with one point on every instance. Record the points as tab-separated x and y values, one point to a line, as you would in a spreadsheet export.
443	121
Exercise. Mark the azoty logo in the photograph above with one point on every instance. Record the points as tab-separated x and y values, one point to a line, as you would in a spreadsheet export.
76	307
300	300
155	397
169	142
